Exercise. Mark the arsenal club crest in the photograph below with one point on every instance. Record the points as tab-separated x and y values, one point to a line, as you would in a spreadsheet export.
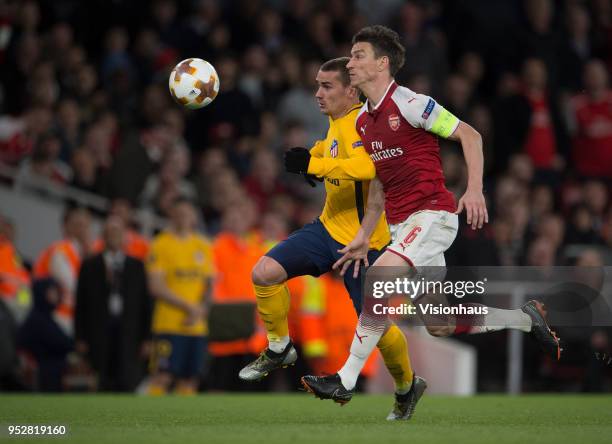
394	122
333	149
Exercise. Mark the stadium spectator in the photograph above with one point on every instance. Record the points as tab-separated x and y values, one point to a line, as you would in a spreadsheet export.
581	227
14	277
270	25
541	253
424	46
542	202
471	67
44	166
591	121
134	244
236	250
596	198
263	182
601	13
138	157
113	312
84	168
209	163
529	120
61	261
69	126
43	339
161	190
297	105
577	47
19	135
458	94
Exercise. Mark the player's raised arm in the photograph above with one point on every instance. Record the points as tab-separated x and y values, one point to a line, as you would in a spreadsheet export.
473	200
422	111
357	249
357	167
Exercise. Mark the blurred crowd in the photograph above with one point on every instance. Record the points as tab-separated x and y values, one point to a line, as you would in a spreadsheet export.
84	103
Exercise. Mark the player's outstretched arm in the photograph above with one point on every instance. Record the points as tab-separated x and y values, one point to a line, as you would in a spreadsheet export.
357	250
473	200
358	166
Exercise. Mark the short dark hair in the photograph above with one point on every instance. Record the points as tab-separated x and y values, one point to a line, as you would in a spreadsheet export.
338	65
386	42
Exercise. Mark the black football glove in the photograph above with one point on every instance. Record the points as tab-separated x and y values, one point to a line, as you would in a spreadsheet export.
297	160
310	178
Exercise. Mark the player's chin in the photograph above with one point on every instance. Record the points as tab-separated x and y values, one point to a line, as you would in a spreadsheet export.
355	81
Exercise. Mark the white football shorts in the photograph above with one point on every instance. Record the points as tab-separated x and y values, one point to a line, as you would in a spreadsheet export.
423	238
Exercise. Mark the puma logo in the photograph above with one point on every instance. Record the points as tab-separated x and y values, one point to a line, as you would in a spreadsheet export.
363	128
360	337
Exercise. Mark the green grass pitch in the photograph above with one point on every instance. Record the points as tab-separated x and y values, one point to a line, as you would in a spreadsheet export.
300	418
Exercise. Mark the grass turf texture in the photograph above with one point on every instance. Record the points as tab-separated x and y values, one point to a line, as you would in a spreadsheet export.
300	418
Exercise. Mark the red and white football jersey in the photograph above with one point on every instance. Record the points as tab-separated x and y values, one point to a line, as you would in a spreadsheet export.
400	135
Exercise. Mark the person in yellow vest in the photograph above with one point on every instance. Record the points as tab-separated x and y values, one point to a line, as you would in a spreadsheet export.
62	262
180	271
312	250
14	277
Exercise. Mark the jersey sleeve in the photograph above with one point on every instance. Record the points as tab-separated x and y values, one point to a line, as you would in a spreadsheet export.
358	166
317	150
422	111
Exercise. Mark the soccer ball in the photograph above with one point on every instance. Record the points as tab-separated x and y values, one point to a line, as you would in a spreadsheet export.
194	83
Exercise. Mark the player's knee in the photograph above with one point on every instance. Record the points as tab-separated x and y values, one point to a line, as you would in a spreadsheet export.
268	272
440	331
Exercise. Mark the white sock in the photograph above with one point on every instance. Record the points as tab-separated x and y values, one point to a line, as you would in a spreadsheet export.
500	319
278	346
365	340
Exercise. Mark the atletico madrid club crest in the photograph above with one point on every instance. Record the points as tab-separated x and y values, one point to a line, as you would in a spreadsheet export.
394	122
333	149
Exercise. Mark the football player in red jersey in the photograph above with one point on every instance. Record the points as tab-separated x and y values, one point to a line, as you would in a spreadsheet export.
400	129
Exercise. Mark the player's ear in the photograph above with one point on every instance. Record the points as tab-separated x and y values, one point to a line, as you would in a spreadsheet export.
383	63
352	92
